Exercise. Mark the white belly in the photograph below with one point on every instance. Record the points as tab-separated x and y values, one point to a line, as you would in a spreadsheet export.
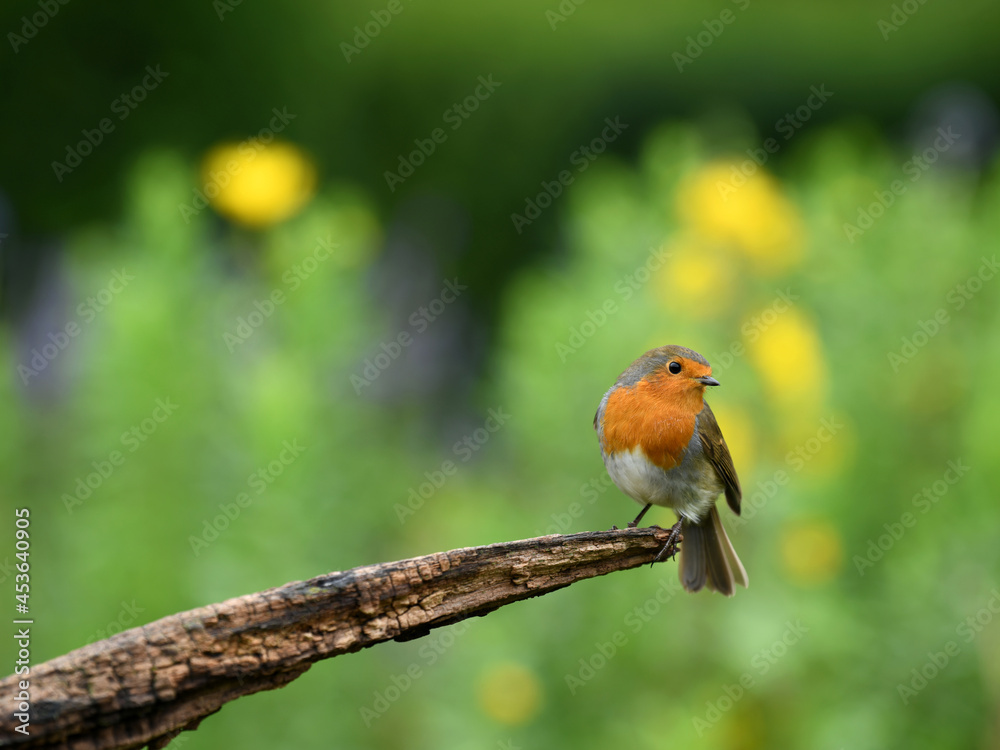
690	489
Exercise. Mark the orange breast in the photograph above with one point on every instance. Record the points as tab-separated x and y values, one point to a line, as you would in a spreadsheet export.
651	415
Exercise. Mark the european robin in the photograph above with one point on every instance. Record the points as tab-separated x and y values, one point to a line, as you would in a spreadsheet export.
662	446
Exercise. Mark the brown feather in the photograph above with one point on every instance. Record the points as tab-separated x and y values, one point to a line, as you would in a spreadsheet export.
708	559
717	452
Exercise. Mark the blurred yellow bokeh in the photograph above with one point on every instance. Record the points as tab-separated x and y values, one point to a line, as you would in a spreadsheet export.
788	354
257	185
510	693
811	551
749	214
697	280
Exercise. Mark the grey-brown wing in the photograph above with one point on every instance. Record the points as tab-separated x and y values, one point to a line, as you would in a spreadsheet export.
717	452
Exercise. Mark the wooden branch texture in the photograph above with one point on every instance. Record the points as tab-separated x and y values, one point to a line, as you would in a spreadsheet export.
146	685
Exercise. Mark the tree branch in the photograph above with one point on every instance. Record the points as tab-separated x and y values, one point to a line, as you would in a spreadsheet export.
146	685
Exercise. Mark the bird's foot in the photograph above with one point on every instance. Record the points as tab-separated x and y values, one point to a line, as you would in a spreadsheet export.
669	549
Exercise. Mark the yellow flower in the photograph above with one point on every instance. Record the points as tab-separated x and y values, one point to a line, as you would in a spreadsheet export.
510	693
256	184
748	213
788	355
811	551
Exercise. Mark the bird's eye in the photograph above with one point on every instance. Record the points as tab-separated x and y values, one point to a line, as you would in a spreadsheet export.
674	367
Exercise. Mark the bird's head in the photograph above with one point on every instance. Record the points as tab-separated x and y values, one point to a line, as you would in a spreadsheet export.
677	373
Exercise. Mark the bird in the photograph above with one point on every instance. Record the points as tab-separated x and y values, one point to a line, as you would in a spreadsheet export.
662	446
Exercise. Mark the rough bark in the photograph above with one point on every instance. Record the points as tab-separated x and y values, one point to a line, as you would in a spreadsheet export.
145	685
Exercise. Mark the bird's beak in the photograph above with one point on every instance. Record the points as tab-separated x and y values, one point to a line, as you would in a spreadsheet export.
707	380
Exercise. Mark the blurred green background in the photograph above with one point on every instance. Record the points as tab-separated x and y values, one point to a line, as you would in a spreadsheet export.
215	300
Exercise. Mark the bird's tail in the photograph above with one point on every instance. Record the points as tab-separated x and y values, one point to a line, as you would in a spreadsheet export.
708	557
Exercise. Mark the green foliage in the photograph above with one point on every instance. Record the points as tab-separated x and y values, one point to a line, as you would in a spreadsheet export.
312	477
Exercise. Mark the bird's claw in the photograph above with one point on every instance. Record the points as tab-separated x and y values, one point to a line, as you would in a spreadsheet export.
669	549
